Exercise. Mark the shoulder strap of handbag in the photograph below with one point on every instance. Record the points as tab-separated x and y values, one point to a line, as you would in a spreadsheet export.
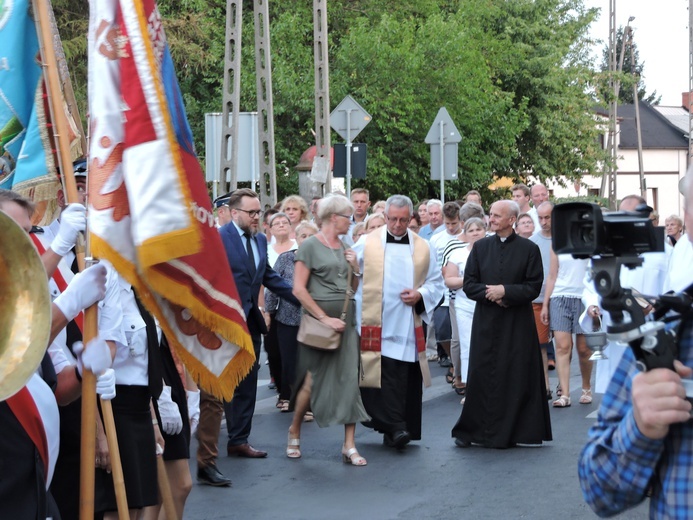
349	290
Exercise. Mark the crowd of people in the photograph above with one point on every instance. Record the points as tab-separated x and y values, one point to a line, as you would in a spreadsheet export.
403	285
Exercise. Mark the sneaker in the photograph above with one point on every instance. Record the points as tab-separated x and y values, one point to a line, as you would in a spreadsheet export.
432	357
445	362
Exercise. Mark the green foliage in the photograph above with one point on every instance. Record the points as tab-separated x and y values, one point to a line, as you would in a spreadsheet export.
513	74
631	73
600	201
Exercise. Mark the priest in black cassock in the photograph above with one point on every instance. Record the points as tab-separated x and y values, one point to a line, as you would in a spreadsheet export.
506	394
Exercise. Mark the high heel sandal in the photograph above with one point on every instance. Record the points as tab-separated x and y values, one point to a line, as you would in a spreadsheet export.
292	447
351	456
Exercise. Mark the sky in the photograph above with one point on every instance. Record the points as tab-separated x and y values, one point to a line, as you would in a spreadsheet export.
661	36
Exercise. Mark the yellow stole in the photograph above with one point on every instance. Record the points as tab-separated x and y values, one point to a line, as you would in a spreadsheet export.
372	304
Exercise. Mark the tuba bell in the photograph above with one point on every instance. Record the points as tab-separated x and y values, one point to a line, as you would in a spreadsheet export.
25	308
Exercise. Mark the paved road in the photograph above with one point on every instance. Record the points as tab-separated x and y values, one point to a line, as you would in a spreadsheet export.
430	479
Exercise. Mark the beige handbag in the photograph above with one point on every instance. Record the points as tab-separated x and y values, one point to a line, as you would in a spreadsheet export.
315	334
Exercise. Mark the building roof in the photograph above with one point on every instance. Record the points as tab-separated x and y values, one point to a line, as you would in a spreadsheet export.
677	116
657	131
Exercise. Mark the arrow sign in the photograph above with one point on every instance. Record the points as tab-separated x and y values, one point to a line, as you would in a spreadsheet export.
450	134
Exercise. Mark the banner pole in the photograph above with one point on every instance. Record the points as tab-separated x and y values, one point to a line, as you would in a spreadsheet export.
42	13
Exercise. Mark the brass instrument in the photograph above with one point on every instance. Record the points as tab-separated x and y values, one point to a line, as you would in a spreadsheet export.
25	308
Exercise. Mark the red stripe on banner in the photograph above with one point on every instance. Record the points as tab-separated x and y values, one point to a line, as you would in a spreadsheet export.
24	409
59	280
371	338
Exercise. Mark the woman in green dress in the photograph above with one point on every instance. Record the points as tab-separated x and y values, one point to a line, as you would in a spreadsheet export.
330	384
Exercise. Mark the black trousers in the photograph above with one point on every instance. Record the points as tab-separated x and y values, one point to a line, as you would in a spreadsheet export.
288	348
273	353
397	404
239	412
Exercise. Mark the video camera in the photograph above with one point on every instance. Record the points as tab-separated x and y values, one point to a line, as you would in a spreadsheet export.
614	240
582	230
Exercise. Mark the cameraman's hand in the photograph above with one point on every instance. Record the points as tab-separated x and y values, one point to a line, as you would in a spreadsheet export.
659	400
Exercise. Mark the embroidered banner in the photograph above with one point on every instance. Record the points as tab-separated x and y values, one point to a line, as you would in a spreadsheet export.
149	210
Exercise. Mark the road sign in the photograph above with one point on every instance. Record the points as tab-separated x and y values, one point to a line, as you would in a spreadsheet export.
450	135
349	110
358	160
449	162
348	119
443	137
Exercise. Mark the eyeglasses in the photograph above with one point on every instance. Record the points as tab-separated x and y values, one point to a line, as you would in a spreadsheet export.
399	220
345	216
279	223
252	213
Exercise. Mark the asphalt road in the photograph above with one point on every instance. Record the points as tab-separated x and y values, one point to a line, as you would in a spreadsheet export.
431	478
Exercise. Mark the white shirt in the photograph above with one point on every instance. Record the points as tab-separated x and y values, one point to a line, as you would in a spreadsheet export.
253	244
439	241
398	336
131	359
535	217
680	271
110	313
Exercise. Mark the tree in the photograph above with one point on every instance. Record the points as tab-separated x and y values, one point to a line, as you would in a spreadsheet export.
514	76
632	70
538	51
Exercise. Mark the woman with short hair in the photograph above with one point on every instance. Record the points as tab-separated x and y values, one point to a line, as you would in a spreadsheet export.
328	382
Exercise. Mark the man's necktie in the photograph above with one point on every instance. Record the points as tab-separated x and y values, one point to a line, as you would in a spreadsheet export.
251	255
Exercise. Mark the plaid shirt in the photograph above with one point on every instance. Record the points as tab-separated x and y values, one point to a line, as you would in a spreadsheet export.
619	464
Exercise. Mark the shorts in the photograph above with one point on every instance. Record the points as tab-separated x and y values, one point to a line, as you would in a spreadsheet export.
441	319
542	330
564	314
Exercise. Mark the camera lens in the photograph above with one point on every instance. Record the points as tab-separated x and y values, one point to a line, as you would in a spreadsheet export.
587	234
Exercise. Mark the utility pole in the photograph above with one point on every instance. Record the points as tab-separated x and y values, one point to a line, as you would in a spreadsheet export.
265	106
231	96
232	99
608	188
690	81
636	102
322	92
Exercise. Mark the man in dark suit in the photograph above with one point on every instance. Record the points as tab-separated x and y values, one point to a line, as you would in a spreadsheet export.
247	254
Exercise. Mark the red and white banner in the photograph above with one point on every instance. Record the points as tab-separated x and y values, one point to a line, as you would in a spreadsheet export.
149	210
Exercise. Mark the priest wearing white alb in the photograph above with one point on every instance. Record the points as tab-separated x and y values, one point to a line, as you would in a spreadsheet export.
402	285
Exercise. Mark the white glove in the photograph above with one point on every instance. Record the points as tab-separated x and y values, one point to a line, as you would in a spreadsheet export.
73	220
193	398
96	357
85	289
171	421
105	384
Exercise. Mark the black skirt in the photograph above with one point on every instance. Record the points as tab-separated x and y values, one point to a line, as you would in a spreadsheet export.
177	446
135	432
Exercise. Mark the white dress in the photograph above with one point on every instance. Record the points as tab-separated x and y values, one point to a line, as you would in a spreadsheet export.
464	311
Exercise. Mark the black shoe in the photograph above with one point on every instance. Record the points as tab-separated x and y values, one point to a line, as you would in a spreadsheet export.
398	439
445	362
462	444
211	476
